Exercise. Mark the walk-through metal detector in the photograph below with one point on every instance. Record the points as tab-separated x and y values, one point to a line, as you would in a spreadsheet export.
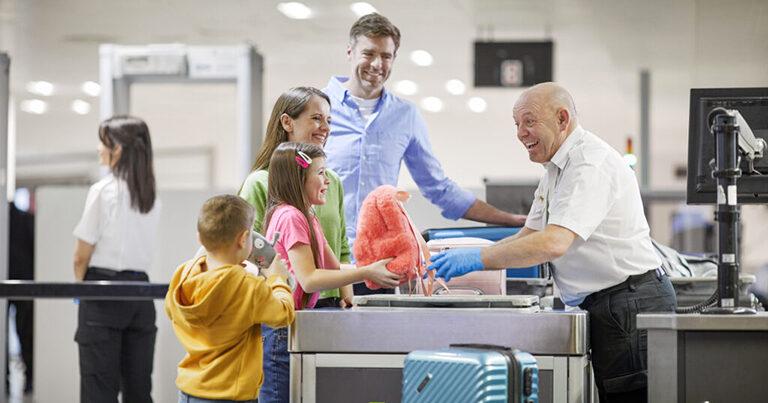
121	66
5	64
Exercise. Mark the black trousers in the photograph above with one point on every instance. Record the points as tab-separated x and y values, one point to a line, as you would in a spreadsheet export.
25	319
116	342
619	349
361	289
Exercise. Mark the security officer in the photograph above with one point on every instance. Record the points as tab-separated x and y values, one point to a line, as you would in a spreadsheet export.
587	219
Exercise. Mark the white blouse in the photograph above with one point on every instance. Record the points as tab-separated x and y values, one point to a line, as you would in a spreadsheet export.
123	237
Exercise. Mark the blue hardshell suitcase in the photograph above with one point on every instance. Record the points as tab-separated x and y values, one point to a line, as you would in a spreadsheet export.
491	233
470	374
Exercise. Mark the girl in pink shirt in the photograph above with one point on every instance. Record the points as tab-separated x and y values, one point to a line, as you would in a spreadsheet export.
297	182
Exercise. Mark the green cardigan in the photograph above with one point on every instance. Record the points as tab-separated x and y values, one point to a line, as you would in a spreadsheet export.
330	214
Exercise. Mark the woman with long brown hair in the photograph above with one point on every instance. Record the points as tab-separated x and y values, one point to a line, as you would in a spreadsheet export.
115	240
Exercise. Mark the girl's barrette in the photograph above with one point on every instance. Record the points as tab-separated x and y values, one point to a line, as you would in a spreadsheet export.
303	159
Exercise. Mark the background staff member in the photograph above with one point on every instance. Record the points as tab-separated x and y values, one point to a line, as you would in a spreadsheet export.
587	219
374	131
115	241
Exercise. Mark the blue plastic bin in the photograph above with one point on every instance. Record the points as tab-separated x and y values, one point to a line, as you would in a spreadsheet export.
489	233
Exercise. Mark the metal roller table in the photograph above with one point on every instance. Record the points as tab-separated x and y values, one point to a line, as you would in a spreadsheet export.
357	355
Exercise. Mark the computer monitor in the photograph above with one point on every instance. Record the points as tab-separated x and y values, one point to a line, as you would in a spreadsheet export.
752	103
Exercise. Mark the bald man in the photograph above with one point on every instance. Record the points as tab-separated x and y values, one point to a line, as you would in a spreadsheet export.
587	220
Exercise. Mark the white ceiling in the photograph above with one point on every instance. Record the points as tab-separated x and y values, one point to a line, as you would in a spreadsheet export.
57	41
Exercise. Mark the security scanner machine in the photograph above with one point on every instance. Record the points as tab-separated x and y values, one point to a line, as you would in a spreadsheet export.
357	355
122	66
718	355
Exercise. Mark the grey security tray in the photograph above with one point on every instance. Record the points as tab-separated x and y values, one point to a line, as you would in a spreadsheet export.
447	301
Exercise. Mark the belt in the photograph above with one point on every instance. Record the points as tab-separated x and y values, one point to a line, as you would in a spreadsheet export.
629	284
99	273
330	302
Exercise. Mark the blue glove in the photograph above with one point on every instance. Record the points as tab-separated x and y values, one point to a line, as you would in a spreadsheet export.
456	262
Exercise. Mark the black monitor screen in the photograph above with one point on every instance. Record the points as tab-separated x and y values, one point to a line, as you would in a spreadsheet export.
752	103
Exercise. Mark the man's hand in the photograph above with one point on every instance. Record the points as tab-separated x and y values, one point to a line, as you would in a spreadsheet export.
483	212
456	262
518	220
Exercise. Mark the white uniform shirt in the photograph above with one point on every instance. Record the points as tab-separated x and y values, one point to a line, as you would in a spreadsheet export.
590	190
124	238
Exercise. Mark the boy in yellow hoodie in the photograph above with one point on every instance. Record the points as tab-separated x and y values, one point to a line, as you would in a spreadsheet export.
217	308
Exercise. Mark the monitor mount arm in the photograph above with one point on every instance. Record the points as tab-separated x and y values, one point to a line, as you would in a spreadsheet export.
732	136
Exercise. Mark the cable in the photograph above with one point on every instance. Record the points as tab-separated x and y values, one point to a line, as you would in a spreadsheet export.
711	301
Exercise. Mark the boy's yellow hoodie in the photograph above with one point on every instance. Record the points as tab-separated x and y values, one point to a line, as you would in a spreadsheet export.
216	316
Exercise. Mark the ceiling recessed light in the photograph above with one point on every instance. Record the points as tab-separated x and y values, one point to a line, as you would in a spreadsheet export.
295	10
81	107
455	87
91	88
432	104
406	87
477	104
43	88
34	106
362	8
421	58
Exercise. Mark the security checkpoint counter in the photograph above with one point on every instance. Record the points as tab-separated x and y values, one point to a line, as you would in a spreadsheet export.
697	358
357	355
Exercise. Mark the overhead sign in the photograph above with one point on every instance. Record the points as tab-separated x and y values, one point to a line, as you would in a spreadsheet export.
513	64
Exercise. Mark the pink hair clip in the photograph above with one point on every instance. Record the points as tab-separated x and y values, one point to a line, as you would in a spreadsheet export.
303	159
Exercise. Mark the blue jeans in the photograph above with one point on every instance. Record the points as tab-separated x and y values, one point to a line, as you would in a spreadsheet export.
185	398
276	366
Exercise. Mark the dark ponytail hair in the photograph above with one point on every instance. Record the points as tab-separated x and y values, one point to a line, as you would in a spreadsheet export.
135	163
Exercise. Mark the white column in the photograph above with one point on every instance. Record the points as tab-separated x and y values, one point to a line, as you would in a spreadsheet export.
5	63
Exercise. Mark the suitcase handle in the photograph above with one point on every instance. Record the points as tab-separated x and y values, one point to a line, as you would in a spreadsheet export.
479	346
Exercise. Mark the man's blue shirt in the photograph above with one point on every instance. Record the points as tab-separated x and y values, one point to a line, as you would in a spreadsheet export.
367	153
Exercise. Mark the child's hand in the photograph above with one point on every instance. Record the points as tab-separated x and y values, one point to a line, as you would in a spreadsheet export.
378	273
251	268
278	267
345	302
346	296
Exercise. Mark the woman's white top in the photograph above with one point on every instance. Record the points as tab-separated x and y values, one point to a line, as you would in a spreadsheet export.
124	237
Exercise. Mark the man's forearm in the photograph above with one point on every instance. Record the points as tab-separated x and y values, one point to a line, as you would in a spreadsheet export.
483	212
525	231
530	249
